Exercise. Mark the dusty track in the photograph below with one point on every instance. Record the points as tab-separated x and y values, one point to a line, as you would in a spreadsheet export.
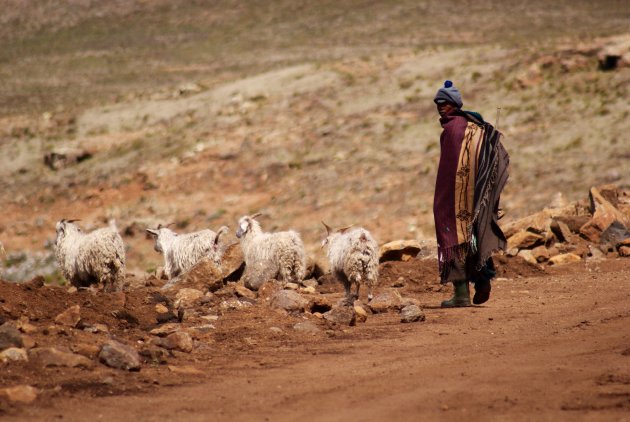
544	348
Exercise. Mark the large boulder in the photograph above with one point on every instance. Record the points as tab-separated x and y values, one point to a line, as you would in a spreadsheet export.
204	275
232	262
399	250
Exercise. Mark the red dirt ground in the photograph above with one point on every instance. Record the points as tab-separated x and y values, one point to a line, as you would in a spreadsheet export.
551	344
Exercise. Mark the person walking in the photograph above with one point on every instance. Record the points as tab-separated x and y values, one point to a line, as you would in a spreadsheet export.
472	172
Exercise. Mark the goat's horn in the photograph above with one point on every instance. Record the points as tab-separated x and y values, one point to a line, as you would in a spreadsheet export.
258	214
343	229
328	228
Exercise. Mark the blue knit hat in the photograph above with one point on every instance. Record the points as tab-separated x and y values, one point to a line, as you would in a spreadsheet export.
449	93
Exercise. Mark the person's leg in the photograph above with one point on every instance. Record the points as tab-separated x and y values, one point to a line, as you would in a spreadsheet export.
481	280
456	274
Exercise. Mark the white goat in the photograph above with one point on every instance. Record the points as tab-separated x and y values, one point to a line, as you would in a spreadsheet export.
89	258
182	251
279	255
353	258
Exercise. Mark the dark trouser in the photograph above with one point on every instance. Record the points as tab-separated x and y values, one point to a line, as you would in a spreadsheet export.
457	270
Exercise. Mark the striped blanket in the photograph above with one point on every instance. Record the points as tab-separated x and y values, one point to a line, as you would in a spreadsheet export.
481	174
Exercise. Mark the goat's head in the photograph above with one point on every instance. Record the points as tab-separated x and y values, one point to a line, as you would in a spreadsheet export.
245	224
63	226
159	234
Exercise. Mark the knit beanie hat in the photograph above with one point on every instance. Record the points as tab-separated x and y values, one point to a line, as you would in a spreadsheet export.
449	93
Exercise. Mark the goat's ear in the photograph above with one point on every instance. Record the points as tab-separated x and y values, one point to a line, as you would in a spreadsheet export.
345	229
153	232
328	228
255	216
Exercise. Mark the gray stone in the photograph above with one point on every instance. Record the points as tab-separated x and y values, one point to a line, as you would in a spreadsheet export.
10	337
257	274
119	356
341	315
52	357
289	300
411	313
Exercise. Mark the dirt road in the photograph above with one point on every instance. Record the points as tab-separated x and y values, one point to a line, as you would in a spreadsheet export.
550	347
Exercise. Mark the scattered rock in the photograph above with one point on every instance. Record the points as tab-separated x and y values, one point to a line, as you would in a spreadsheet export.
119	356
565	258
361	313
540	253
185	370
276	330
307	327
70	317
257	274
399	250
524	240
561	230
341	315
311	282
235	303
385	301
527	255
538	223
242	291
604	214
13	354
90	351
9	336
624	250
289	300
160	308
179	340
187	298
65	156
52	357
613	236
400	282
205	274
25	326
310	290
232	263
154	354
268	289
291	286
20	394
411	313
